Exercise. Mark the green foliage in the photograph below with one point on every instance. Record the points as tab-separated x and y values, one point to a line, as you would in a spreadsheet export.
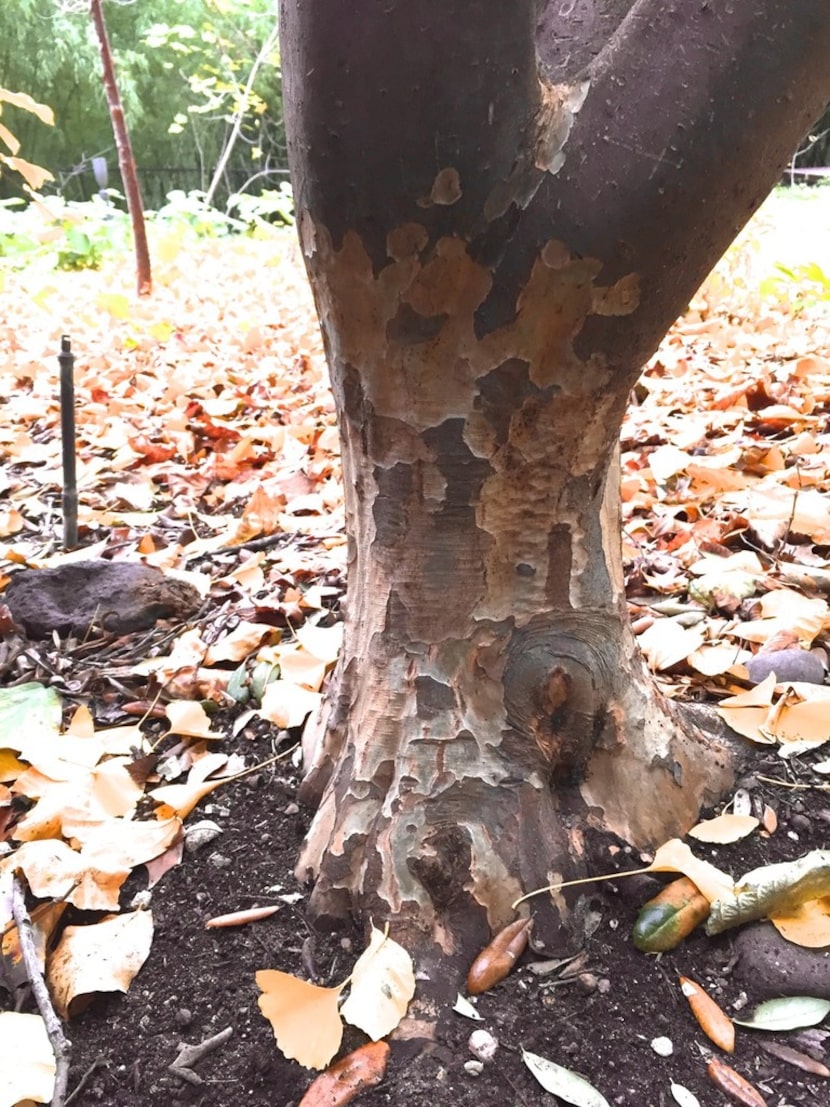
802	285
181	66
60	234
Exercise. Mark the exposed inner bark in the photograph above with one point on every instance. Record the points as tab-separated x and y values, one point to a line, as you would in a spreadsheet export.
495	246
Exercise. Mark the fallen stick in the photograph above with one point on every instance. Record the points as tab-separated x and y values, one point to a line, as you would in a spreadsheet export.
61	1046
190	1055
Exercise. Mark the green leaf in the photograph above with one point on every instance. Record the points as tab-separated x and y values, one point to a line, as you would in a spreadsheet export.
25	710
788	1013
559	1081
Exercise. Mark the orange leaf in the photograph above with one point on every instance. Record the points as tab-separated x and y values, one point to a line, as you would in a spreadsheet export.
714	1022
239	918
345	1079
732	1084
304	1017
499	958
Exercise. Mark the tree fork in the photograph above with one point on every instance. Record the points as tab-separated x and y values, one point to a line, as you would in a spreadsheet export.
496	244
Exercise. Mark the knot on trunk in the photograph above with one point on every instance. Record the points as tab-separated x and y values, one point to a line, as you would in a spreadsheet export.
557	683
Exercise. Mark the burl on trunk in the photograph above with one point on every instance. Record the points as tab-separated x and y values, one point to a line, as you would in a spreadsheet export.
500	220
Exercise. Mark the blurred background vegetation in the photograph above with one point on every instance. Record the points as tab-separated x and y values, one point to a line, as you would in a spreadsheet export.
183	69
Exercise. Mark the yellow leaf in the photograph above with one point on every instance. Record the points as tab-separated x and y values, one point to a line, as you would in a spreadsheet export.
725	828
304	1017
300	667
188	718
182	798
34	175
286	704
10	766
115	303
675	856
241	641
324	643
82	724
101	957
24	100
382	984
666	643
27	1062
807	925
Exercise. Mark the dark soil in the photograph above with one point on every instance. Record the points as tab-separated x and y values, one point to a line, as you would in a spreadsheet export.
599	1022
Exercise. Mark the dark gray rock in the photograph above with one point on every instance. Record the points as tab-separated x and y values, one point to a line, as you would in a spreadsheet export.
116	596
771	966
790	664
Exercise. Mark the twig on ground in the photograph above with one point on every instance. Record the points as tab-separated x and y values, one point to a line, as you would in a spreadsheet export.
61	1045
190	1055
98	1063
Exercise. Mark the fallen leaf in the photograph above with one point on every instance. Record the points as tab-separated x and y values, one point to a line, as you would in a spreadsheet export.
787	1013
100	957
724	828
240	918
27	1062
189	719
675	856
343	1081
561	1082
670	916
772	890
713	1021
287	705
382	984
733	1085
304	1017
807	925
795	1057
499	958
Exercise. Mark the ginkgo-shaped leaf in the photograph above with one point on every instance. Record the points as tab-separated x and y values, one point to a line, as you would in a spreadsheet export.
724	828
286	704
772	890
382	984
787	1013
304	1017
101	957
27	1062
188	718
806	925
675	856
569	1086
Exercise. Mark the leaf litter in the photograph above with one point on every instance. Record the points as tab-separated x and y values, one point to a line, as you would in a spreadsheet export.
230	478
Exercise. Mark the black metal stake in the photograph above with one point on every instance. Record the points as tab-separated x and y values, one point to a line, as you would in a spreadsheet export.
66	359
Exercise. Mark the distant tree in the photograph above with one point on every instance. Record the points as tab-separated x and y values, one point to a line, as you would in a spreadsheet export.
126	161
502	208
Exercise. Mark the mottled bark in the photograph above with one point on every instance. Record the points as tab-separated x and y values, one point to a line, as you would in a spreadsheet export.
493	255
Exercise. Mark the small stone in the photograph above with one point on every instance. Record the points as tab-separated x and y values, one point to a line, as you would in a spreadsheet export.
183	1017
141	900
483	1045
788	665
663	1047
291	809
587	982
200	834
219	861
473	1068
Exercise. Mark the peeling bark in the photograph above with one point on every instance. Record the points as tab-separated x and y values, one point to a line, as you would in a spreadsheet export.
488	285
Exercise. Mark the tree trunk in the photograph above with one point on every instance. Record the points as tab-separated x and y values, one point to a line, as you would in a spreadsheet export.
496	243
126	161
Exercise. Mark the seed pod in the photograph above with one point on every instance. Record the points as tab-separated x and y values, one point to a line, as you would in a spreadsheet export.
732	1084
713	1020
497	960
346	1078
670	916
